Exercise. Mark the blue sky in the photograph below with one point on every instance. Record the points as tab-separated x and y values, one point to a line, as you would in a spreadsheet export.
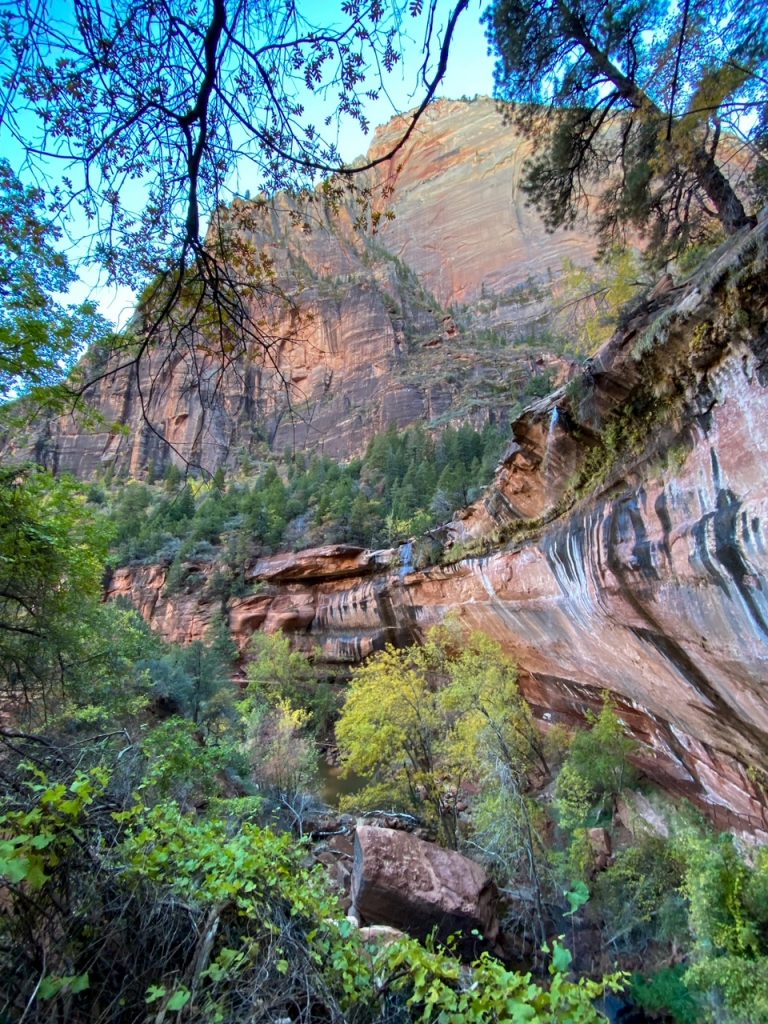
470	72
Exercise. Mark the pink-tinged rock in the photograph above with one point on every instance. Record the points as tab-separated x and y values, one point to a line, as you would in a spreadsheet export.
330	562
469	164
339	368
247	614
380	935
638	815
407	883
654	586
291	613
600	844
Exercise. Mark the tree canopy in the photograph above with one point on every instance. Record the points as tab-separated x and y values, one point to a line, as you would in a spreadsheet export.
418	722
40	338
144	116
647	111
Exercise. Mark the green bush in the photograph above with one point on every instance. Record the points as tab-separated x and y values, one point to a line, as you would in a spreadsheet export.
666	992
639	896
728	918
595	770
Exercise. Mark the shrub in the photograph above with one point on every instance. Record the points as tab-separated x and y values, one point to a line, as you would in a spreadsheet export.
596	769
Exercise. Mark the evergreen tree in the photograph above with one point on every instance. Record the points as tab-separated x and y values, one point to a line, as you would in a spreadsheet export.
633	97
172	478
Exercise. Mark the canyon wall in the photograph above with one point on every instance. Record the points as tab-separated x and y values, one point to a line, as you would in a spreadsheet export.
622	547
433	316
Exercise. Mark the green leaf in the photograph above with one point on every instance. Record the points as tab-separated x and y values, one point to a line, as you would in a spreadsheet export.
561	958
14	867
49	987
179	999
70	807
577	897
154	992
35	875
40	842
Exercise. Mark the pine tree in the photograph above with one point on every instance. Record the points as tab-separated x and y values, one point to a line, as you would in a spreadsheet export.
633	97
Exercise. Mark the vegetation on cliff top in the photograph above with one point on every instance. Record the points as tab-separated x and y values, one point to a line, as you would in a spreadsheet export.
406	483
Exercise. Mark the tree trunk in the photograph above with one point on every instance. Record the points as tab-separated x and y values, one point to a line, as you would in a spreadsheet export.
720	193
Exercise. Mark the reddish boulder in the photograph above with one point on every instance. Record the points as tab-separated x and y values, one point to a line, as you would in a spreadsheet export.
415	886
601	846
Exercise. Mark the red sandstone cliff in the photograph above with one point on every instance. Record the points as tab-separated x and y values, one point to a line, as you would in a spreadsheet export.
371	340
622	546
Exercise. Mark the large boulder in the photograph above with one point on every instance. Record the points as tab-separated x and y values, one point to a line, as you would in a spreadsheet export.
413	885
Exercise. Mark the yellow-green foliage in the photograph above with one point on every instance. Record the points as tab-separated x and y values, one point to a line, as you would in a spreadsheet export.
574	797
728	918
440	990
36	840
282	756
275	671
597	767
277	674
154	908
595	297
418	722
639	895
489	718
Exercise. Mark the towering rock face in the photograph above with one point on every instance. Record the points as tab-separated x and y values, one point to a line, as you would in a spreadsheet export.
461	220
407	324
623	546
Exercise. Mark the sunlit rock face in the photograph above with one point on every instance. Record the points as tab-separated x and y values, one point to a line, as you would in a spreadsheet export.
461	218
651	583
369	338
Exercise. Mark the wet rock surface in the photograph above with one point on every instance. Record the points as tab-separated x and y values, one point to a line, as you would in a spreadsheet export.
653	585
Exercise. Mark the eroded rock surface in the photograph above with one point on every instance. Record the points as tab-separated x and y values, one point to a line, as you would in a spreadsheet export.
416	886
652	582
368	339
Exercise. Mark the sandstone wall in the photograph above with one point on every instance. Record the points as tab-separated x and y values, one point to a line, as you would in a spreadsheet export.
366	338
653	586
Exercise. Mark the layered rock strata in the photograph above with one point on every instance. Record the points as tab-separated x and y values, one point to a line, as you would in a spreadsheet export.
368	339
622	547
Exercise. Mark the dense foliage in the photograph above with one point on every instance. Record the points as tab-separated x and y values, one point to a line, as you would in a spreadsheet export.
407	482
150	815
51	555
126	915
637	99
419	723
140	875
152	858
